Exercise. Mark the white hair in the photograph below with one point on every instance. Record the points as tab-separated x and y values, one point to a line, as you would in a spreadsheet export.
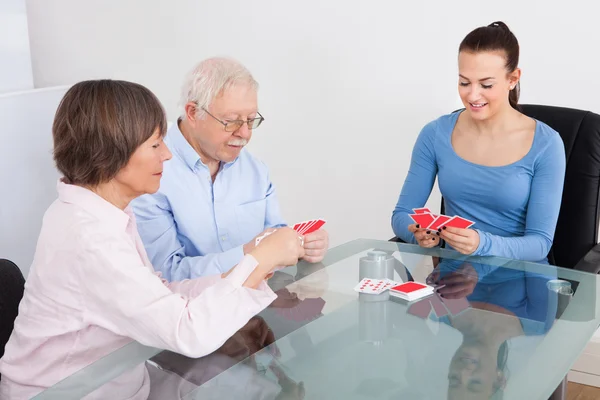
210	78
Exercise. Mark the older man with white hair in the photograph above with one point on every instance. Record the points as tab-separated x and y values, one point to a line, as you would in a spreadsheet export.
215	198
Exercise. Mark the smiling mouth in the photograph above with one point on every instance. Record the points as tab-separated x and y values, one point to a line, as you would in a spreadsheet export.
478	105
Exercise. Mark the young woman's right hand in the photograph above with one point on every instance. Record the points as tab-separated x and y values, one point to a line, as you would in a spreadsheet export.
282	248
426	238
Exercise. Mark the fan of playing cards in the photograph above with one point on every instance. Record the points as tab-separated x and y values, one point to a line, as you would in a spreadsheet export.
303	228
426	219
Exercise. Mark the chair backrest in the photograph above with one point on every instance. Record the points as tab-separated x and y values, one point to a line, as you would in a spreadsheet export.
12	284
577	226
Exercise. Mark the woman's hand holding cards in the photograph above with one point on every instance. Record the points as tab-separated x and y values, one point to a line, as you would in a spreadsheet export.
425	237
430	228
465	241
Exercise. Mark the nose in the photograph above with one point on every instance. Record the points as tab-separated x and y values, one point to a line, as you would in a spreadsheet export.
166	154
473	93
244	132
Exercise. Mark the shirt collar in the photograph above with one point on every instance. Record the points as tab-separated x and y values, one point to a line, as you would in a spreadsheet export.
185	150
94	204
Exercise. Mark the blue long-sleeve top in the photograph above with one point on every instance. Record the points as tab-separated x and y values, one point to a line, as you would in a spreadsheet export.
515	207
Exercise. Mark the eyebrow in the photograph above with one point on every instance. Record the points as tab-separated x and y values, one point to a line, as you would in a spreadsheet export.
481	80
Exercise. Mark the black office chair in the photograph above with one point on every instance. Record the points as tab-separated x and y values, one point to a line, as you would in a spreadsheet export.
12	284
576	239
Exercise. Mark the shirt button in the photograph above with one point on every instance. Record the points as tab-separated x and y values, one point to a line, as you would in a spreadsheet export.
223	238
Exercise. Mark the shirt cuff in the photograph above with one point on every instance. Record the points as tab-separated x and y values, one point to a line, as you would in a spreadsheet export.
242	271
483	241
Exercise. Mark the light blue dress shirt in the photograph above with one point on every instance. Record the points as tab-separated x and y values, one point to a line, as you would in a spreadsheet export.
193	227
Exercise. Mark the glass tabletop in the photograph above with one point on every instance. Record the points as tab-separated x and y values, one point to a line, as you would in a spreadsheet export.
495	328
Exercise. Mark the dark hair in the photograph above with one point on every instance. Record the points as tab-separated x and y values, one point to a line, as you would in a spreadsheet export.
496	36
98	126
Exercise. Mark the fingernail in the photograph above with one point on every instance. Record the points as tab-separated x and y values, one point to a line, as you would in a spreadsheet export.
437	233
428	232
439	229
443	227
432	238
417	225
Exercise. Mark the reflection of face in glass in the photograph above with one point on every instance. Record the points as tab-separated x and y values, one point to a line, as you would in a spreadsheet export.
477	371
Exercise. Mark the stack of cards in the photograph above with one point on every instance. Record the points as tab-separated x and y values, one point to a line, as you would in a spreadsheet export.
426	219
411	291
374	286
303	228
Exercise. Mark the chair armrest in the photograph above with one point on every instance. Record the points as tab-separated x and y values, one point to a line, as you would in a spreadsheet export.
590	262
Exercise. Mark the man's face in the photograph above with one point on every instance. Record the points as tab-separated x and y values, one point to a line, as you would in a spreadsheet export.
216	144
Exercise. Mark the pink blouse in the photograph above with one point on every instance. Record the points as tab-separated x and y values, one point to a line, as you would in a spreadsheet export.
92	289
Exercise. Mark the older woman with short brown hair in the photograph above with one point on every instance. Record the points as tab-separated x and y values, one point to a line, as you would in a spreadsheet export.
91	288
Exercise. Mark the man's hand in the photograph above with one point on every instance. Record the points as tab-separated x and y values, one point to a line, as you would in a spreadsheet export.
315	246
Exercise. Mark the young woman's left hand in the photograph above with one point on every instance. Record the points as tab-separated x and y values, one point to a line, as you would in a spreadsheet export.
465	241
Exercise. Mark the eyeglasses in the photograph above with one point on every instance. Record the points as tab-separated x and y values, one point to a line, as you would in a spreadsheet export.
232	126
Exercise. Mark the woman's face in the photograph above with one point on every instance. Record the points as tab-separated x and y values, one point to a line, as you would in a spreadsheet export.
483	83
142	173
473	372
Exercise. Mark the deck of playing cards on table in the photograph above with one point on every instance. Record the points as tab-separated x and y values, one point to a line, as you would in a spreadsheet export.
411	291
427	220
303	228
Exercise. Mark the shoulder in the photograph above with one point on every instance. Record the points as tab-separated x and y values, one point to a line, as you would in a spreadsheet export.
67	228
436	132
546	133
548	141
441	126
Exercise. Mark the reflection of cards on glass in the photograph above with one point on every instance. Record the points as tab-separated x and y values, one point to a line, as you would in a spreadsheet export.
411	291
306	227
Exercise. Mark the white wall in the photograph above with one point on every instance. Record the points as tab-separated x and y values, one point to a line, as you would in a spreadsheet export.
15	58
27	170
346	85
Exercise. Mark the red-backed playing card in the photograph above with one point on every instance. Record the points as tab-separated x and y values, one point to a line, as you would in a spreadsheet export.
459	222
409	287
314	226
422	210
439	221
300	226
306	226
424	220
